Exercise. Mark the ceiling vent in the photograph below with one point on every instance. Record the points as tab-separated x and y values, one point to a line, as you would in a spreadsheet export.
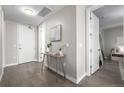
45	11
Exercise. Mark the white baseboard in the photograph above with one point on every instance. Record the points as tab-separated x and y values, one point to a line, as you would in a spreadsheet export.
79	79
36	60
7	65
67	76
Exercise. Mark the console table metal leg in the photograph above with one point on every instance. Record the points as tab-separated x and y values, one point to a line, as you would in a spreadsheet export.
62	63
48	60
122	61
43	62
56	68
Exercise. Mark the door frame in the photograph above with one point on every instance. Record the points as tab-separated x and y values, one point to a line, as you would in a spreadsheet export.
41	41
3	40
17	43
88	57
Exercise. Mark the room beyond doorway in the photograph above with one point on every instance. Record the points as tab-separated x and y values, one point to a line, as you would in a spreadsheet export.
111	33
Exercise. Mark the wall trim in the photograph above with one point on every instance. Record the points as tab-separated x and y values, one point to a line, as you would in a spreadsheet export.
67	76
79	79
7	65
3	42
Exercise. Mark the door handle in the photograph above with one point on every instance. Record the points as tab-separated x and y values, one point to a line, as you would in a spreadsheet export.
20	48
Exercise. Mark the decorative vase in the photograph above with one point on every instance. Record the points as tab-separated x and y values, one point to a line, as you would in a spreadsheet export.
48	50
61	53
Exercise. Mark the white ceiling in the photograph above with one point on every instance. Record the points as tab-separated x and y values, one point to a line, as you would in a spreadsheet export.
110	15
14	13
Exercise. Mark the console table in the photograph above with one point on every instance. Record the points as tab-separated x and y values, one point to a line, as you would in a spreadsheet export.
59	59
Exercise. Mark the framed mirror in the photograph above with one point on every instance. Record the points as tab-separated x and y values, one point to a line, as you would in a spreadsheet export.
56	33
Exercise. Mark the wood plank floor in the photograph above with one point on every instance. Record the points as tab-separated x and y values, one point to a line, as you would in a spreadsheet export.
107	76
30	75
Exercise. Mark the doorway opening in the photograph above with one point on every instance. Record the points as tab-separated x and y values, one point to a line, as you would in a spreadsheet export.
105	36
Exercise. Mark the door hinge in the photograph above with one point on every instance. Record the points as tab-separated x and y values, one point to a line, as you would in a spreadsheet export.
90	50
91	34
90	66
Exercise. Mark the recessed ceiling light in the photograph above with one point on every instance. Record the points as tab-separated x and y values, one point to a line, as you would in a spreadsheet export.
29	12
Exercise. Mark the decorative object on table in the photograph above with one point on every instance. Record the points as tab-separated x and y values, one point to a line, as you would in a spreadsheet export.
48	47
56	33
60	49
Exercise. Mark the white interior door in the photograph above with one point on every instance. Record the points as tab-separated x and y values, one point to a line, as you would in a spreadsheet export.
26	44
95	46
40	44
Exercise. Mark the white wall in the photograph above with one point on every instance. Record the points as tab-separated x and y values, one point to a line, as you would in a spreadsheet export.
80	42
11	43
110	38
67	18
